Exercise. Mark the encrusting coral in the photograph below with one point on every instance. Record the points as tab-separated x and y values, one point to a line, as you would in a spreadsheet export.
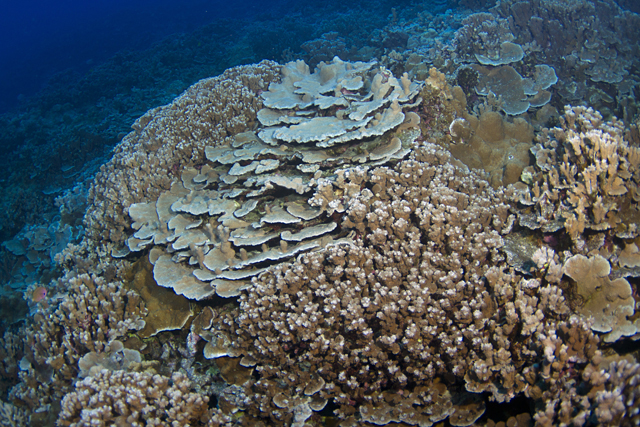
488	141
608	302
117	358
514	94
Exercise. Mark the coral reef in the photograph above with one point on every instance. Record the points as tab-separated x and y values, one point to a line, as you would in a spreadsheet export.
608	302
88	316
395	327
248	206
599	44
493	144
488	141
217	107
134	399
63	134
596	65
343	246
608	396
585	177
11	416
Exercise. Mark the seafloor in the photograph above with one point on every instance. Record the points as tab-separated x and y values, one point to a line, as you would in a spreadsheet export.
400	217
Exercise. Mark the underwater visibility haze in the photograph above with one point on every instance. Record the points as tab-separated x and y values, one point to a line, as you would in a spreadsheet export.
320	213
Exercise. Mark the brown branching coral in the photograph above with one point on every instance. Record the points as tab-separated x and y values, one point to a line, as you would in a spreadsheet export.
88	318
96	312
416	316
132	399
12	416
608	396
586	177
11	351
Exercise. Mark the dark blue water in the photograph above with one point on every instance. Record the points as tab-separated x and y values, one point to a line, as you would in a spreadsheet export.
41	38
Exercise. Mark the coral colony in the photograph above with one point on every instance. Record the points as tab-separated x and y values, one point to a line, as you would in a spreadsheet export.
416	240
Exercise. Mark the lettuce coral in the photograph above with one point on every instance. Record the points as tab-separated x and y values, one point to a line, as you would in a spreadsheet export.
609	303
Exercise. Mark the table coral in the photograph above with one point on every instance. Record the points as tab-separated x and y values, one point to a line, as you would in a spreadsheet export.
250	205
204	115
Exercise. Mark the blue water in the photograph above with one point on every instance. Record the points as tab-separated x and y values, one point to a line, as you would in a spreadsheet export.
41	38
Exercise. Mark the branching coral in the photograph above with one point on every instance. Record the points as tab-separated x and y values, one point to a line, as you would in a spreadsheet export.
12	416
91	315
586	177
608	396
419	310
132	399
